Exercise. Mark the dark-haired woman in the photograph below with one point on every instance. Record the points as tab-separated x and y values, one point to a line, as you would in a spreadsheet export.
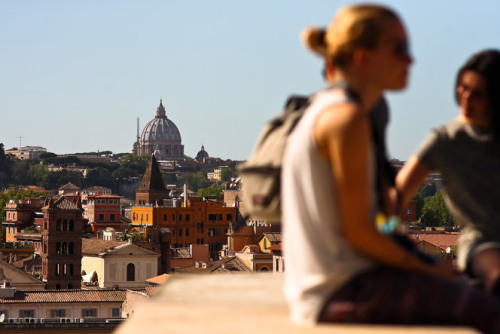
339	267
467	153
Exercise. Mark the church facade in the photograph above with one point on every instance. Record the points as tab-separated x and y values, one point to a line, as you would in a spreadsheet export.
160	137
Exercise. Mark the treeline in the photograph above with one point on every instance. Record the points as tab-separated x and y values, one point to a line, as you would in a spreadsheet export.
122	176
431	208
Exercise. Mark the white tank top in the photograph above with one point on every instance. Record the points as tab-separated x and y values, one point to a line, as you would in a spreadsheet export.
318	258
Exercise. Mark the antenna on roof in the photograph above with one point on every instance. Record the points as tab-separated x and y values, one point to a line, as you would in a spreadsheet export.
137	129
20	137
2	317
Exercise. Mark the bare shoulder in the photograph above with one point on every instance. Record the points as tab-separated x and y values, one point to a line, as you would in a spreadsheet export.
339	120
346	125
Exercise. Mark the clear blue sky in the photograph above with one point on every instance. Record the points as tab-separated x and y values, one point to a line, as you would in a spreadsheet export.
75	75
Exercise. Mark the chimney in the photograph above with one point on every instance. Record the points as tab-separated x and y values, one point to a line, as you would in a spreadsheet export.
185	196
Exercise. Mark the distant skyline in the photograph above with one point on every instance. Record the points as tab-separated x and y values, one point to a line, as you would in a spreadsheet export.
75	75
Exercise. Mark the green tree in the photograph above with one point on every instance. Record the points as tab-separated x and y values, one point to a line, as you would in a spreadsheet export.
420	204
226	174
435	213
212	190
194	181
427	190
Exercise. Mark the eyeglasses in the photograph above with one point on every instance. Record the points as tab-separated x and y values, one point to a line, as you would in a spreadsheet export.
401	48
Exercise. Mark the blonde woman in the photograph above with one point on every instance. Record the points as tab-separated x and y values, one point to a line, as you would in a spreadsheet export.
340	268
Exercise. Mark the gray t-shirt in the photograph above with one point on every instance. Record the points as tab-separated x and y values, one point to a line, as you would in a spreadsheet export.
469	160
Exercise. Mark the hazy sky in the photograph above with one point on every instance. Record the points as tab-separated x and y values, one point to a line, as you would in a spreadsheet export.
75	75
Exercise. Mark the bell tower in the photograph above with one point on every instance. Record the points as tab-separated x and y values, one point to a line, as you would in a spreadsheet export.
62	243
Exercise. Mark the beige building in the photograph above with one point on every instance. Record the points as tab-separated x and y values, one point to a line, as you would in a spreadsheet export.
118	263
16	278
27	152
69	304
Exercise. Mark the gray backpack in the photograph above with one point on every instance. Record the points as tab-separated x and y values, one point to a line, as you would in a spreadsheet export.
261	173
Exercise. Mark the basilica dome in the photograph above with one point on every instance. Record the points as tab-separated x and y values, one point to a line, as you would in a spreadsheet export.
160	128
161	137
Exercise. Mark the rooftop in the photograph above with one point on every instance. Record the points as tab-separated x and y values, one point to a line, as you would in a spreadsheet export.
65	296
94	246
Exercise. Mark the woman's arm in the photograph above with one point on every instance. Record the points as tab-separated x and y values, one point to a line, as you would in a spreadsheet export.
343	137
409	179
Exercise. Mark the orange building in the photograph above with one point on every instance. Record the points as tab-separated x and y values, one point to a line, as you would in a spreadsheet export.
102	211
22	214
199	222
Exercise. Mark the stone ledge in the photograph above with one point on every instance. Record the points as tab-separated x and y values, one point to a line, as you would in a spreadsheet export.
237	303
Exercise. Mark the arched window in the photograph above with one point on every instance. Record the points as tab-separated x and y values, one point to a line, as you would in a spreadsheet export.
71	248
65	225
58	225
58	248
130	272
71	225
71	271
264	269
64	248
57	269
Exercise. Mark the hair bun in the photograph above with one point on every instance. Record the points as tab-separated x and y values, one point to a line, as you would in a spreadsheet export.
314	39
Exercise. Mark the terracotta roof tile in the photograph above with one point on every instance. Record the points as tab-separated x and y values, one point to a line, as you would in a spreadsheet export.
442	240
226	265
160	279
66	296
96	246
273	236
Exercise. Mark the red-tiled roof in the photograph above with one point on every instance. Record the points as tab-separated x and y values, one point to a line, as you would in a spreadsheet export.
442	240
273	236
159	279
96	246
152	290
66	296
226	265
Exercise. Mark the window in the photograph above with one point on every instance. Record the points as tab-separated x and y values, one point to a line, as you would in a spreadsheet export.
89	312
71	225
188	218
173	217
165	217
214	217
71	248
180	232
26	313
101	201
130	272
59	228
116	312
57	313
187	232
58	248
8	215
70	286
112	217
101	217
65	225
408	211
58	269
229	216
180	218
65	272
58	286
